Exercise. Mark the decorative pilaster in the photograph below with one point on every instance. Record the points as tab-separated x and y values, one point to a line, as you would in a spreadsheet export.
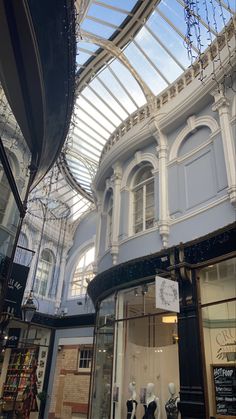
163	193
61	279
98	234
116	179
222	106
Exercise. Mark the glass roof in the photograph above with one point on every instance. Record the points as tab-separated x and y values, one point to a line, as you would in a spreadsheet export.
126	50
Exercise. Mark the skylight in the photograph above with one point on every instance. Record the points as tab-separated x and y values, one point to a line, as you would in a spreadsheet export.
126	50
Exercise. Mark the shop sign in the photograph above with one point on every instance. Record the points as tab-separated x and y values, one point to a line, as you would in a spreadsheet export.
15	289
13	337
167	294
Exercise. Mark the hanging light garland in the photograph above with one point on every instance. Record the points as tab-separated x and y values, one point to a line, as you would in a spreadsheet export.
214	18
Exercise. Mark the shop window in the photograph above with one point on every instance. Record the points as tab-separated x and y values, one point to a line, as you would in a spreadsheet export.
218	308
85	358
44	273
145	350
83	273
143	200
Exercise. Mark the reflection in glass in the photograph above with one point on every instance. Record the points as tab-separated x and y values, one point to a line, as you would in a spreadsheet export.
101	389
219	328
9	219
146	348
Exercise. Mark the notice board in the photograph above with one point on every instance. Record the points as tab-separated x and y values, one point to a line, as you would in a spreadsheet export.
224	384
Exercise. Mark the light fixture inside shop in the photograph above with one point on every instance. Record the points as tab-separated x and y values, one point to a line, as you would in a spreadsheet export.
169	319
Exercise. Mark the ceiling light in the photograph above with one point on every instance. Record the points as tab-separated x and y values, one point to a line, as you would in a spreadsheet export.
169	319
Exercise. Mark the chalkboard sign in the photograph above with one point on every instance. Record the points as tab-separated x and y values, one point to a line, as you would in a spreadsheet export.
224	381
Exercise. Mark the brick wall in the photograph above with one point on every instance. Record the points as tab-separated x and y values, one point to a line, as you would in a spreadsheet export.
70	387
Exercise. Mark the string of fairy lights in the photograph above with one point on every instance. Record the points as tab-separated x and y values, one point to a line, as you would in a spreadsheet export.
194	33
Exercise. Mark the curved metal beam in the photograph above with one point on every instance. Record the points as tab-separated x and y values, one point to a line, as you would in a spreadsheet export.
116	52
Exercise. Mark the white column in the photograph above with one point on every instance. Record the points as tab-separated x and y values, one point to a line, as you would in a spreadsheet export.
62	266
116	179
163	193
222	106
98	235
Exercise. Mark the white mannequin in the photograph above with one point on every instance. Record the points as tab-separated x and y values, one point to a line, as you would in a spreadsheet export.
172	391
132	393
150	397
172	403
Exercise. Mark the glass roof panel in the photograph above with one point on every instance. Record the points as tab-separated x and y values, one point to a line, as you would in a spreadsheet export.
129	81
94	112
122	4
108	90
161	59
95	125
87	45
82	57
107	14
116	88
144	68
96	28
96	83
169	37
103	108
174	12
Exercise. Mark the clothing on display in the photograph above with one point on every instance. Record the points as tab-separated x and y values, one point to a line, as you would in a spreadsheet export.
130	406
172	408
150	410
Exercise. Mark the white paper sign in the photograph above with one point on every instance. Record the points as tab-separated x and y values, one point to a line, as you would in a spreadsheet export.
167	294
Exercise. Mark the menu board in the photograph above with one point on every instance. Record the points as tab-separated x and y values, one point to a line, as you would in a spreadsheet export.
224	382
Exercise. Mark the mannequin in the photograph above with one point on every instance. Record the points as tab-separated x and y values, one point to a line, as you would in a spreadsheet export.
131	402
171	405
152	404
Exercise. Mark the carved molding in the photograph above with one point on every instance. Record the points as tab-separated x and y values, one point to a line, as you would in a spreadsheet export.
192	123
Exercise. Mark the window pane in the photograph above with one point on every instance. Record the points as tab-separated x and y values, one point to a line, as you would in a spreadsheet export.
218	281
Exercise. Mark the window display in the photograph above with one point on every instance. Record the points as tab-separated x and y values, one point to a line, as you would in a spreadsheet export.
218	308
136	358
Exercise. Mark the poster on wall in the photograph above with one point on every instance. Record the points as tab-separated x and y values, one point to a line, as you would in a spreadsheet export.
224	381
167	294
15	289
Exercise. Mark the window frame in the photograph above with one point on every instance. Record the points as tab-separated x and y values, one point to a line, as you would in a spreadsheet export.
86	273
50	274
143	187
88	348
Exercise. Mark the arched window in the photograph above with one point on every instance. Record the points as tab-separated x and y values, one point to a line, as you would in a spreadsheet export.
83	273
22	255
143	200
5	192
44	273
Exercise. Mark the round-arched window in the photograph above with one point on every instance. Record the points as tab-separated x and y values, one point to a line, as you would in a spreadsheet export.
44	273
143	199
83	273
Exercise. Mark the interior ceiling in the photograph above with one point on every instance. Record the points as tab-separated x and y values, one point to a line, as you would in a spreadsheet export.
127	53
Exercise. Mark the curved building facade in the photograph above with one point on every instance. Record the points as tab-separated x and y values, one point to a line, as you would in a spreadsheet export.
166	199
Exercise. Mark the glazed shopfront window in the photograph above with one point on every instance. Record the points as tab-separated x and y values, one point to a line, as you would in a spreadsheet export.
102	373
218	307
136	344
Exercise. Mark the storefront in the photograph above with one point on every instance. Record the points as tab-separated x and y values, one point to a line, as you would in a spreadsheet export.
145	343
218	313
187	356
24	362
